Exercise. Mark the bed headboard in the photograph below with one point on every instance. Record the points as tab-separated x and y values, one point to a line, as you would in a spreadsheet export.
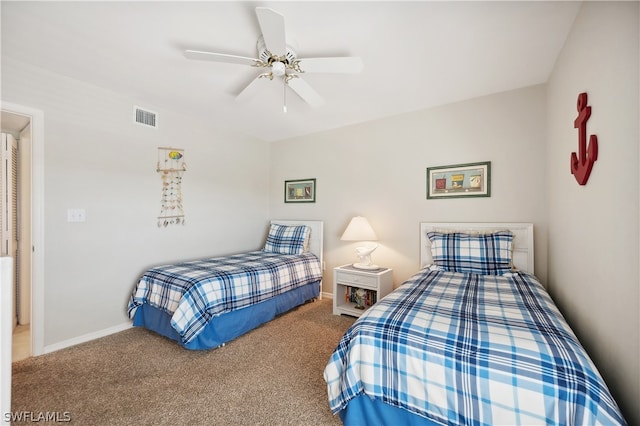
522	239
317	234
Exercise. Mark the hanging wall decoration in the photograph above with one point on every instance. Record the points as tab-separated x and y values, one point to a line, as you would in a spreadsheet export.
582	163
460	180
171	166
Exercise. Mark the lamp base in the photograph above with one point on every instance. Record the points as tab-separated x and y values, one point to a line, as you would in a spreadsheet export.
365	266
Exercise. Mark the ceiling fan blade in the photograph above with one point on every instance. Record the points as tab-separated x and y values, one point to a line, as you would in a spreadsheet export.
252	88
273	31
219	57
339	65
306	92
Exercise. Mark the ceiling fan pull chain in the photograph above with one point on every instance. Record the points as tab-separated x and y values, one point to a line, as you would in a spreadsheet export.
284	94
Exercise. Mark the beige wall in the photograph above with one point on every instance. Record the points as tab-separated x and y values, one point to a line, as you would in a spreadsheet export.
97	159
593	229
378	170
587	242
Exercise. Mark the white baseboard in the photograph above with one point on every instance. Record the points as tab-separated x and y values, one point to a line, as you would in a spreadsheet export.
112	330
87	337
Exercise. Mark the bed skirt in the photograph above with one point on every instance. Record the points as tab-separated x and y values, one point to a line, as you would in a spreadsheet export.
363	410
228	326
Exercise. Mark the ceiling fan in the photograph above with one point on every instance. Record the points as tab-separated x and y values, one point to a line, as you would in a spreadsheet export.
280	61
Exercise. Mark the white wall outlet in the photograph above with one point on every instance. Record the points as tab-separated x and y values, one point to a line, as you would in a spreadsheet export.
76	215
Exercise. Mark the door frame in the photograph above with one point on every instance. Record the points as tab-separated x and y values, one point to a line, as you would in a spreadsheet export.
37	222
6	331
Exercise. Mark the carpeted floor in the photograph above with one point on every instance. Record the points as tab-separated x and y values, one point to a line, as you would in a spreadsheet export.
270	376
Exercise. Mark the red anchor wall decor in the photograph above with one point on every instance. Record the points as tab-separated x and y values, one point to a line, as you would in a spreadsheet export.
582	163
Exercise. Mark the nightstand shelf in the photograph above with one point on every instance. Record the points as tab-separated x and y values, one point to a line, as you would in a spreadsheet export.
346	279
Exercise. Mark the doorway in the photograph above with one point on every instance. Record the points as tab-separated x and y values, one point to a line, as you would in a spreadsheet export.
35	247
15	220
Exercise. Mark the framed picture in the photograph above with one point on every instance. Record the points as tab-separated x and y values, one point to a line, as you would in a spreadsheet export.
461	180
300	191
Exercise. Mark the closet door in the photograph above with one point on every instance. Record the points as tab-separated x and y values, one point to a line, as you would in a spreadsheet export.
9	203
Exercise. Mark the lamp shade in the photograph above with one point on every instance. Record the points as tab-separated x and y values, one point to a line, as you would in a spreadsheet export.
359	230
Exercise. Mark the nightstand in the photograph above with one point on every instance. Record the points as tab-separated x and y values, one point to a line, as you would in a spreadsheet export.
376	284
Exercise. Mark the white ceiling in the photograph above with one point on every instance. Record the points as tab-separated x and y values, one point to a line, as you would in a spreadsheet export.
416	54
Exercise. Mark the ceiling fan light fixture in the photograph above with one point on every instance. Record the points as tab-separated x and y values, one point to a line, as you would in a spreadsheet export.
278	68
281	60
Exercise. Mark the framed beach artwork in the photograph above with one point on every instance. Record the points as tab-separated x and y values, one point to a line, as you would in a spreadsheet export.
300	191
460	180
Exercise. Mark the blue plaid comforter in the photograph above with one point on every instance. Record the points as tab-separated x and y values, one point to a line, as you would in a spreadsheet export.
462	349
193	292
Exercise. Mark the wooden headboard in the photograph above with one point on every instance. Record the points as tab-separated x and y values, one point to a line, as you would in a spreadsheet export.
522	239
316	239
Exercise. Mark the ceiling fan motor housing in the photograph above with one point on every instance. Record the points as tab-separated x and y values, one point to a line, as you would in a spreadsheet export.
269	57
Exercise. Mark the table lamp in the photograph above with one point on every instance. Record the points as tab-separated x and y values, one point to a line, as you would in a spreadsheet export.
360	230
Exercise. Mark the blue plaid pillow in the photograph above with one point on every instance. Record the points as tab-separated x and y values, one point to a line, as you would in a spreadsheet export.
484	254
287	239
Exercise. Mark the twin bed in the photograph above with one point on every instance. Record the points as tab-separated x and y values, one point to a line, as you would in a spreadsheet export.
472	338
205	303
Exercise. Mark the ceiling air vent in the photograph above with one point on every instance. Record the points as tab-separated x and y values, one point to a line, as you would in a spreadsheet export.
145	117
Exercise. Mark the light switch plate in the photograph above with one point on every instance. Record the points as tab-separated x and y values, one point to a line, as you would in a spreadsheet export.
76	215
